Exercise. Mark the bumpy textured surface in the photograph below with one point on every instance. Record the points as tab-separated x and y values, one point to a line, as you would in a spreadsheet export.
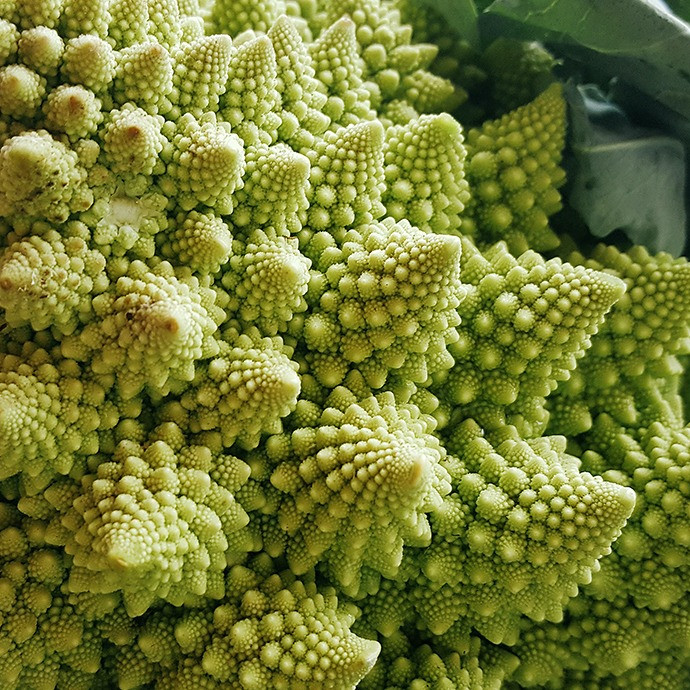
288	398
151	522
524	324
384	301
522	528
48	279
424	175
267	279
40	177
149	329
244	391
513	168
519	71
356	486
52	410
44	638
403	665
638	345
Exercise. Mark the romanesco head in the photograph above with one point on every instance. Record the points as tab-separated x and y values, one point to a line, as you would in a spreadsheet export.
278	354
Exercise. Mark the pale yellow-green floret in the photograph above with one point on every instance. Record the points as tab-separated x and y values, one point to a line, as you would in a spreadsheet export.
151	522
385	301
356	486
41	178
149	330
243	392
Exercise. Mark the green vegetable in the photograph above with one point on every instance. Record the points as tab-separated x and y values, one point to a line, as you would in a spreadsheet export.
290	398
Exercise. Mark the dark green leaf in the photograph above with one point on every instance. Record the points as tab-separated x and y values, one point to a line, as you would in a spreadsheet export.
461	16
681	8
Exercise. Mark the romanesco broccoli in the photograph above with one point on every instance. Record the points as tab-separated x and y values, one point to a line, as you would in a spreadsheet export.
289	398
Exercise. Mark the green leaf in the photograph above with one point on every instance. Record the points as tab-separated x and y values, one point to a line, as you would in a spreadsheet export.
681	8
623	176
638	41
461	16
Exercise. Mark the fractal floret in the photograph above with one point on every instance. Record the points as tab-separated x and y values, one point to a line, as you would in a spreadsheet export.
289	397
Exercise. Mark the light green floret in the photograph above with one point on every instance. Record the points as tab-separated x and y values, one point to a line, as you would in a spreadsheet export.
150	329
73	110
397	112
424	171
205	163
544	651
428	93
346	177
129	23
46	509
189	8
302	101
8	8
41	49
266	280
51	411
243	392
641	338
200	74
384	301
48	280
201	241
522	528
34	13
660	667
671	670
189	676
251	100
272	631
498	665
386	605
43	638
191	28
21	92
276	181
653	564
338	67
41	177
384	42
235	16
164	22
9	38
156	637
79	667
524	324
151	522
357	486
127	223
604	644
278	632
513	169
407	664
90	61
132	142
126	666
85	17
518	71
654	314
144	76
